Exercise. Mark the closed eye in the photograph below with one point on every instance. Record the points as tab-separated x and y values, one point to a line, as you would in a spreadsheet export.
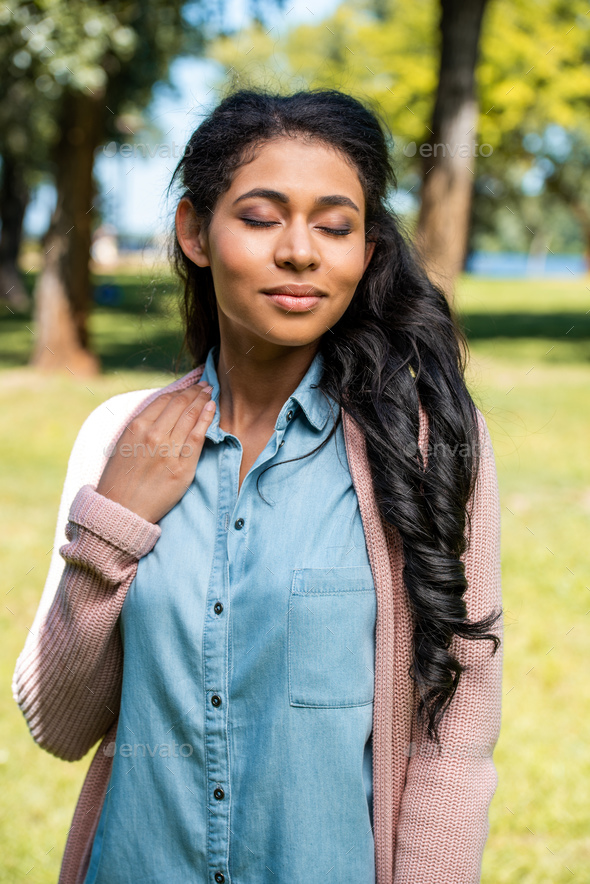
336	231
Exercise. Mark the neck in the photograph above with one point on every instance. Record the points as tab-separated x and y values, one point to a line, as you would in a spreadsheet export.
255	380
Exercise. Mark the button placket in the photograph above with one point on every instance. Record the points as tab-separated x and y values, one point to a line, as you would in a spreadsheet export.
231	550
215	660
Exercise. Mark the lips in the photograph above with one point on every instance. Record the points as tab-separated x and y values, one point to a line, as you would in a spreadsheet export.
296	290
295	298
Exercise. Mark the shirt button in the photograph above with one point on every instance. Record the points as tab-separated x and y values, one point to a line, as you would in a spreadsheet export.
218	607
219	794
281	443
238	524
216	700
219	877
289	415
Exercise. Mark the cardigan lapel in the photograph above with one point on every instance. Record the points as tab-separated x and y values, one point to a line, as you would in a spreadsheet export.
394	689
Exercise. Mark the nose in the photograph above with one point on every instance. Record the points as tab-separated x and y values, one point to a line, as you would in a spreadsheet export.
295	247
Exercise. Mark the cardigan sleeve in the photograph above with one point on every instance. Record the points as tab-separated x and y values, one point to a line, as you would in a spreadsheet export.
68	680
443	824
67	677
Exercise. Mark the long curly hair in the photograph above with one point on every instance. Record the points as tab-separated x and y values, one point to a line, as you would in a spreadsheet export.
398	343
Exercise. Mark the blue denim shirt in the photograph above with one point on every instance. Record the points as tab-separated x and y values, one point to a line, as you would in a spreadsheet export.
244	750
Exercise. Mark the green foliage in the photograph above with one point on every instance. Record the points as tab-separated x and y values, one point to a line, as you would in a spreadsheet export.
113	51
392	63
533	70
84	46
539	202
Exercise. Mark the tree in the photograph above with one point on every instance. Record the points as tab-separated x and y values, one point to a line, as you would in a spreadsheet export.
534	79
443	224
98	60
14	198
62	293
26	129
566	175
106	58
539	202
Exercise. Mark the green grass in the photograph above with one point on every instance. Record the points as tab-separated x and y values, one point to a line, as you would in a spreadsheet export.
530	374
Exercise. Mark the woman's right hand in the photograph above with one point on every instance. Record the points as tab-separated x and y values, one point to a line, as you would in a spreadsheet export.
155	459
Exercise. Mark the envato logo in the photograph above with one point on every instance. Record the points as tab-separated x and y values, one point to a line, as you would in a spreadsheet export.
145	750
464	450
141	149
163	449
444	150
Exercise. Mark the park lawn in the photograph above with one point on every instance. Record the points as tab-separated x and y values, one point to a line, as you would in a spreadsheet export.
531	379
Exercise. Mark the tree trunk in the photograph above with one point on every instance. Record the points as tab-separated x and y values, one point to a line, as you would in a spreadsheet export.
577	204
14	198
62	293
583	216
448	158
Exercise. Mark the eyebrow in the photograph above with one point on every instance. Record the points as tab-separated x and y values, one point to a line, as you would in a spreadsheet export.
335	199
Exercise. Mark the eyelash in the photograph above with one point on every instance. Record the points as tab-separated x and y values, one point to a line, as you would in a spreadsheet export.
343	231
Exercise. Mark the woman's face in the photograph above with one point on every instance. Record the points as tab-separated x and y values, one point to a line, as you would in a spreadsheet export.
293	218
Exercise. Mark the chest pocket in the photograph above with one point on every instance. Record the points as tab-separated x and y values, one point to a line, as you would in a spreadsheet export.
331	642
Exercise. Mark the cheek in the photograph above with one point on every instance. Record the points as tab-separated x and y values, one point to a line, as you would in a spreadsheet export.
236	272
349	267
230	258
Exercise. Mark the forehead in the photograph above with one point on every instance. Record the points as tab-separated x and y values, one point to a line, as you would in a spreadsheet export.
301	168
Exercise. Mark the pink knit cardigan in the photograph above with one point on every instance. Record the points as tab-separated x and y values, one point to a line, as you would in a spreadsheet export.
430	811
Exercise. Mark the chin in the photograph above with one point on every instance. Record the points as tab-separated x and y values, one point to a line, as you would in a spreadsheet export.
291	337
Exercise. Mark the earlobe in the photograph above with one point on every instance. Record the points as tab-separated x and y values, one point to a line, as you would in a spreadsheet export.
190	234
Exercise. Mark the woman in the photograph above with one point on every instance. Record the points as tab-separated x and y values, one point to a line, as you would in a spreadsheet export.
289	668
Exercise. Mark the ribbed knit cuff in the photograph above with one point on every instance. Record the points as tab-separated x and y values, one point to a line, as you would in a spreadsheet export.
113	522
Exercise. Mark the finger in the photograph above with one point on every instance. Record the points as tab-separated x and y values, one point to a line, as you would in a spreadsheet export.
155	409
180	416
192	445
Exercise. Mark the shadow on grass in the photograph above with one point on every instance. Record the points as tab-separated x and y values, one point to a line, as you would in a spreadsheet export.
157	351
526	325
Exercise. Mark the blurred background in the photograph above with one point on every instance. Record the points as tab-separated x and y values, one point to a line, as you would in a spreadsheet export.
488	106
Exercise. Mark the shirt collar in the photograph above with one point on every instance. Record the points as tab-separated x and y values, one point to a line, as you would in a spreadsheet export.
313	402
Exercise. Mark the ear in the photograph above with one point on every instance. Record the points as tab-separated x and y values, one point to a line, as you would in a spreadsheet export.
190	233
369	249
